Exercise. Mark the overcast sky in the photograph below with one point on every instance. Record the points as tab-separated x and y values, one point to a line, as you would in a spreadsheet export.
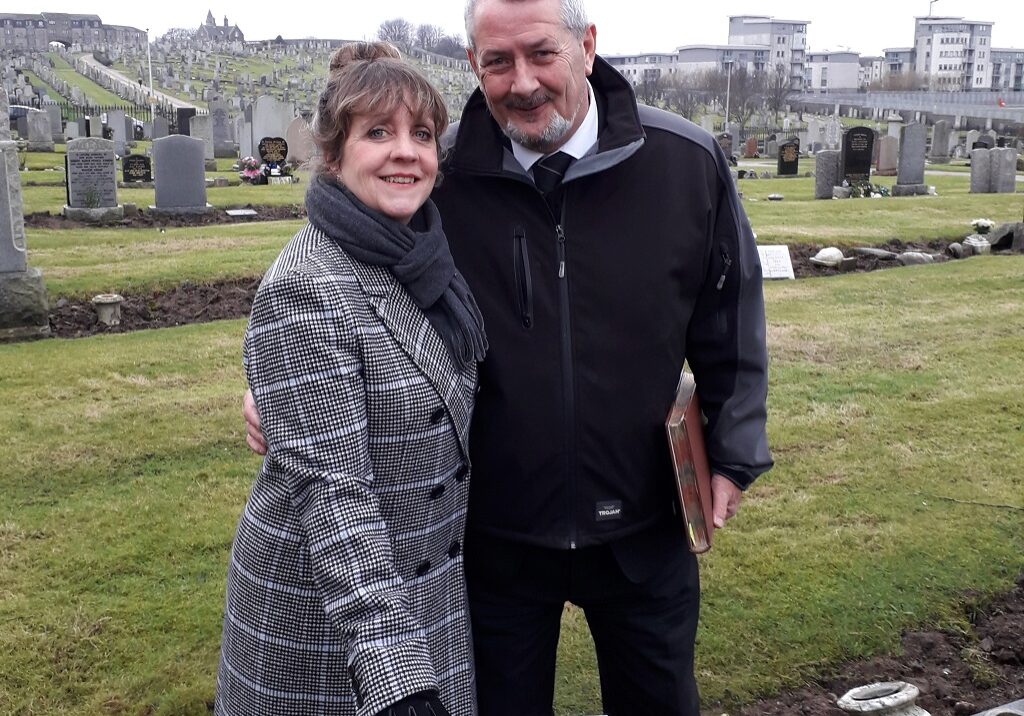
623	26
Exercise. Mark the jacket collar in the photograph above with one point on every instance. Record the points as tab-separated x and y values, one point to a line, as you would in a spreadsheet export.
480	147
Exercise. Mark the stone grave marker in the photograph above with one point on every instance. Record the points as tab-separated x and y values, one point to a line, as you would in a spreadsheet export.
1004	170
972	137
858	145
826	173
56	123
833	133
91	173
137	168
201	127
750	148
981	170
180	175
982	141
300	141
160	127
776	262
725	142
771	148
273	150
910	173
888	156
788	163
223	145
40	137
184	116
116	122
71	131
894	129
939	153
270	117
24	311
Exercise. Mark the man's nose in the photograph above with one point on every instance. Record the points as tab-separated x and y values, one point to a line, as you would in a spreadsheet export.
524	81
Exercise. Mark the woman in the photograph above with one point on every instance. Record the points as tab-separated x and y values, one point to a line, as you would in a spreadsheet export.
345	591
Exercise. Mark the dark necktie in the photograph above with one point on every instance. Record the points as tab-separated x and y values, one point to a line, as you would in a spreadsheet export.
547	175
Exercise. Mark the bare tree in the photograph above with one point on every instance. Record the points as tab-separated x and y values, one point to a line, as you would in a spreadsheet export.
397	31
901	82
427	36
778	89
682	94
451	46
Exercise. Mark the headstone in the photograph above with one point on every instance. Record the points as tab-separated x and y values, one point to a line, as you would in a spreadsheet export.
83	127
300	141
40	137
22	126
160	127
179	176
91	181
982	141
270	117
56	123
912	150
939	153
771	148
183	115
1004	170
223	146
201	127
71	131
24	311
972	137
137	168
981	171
115	120
833	133
245	148
273	150
858	145
894	129
888	156
725	142
775	262
826	173
788	164
750	148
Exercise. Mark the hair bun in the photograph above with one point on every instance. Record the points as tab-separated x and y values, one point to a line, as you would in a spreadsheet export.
362	52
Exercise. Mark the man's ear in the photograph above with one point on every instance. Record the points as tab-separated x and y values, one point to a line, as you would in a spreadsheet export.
589	48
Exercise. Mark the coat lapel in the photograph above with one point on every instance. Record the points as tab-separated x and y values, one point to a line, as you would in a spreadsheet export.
421	343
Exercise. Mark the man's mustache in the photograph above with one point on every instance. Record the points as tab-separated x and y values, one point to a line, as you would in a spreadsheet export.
532	102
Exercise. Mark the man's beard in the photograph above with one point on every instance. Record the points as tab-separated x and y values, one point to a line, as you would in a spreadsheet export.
553	135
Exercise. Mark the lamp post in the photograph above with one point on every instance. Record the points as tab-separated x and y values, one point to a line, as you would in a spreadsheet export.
149	61
930	3
728	87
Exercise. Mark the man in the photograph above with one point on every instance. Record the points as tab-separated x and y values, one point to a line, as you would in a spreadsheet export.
593	293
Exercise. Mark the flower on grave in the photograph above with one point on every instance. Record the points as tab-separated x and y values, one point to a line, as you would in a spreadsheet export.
982	226
250	169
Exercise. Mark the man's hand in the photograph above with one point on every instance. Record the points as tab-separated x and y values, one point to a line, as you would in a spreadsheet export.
725	499
253	434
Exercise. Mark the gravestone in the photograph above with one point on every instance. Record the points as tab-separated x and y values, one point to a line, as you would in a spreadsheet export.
184	115
300	141
71	131
725	142
137	168
771	148
888	156
116	120
826	173
270	117
40	138
1004	170
788	163
273	150
160	127
180	176
201	127
750	148
858	145
56	123
84	127
910	173
939	153
223	145
982	141
91	181
776	262
981	171
833	133
21	123
894	129
972	137
24	311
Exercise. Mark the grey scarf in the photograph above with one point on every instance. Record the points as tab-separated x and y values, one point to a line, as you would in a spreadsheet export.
419	260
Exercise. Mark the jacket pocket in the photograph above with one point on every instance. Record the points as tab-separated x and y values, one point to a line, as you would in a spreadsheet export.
524	281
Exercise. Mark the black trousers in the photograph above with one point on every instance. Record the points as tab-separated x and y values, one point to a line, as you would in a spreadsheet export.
641	598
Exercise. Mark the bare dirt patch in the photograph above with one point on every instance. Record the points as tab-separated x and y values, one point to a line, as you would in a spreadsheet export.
145	219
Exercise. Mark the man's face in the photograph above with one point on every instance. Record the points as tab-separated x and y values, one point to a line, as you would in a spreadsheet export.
532	70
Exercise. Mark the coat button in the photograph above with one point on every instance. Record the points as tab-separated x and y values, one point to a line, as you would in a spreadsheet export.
454	550
435	417
423	568
461	473
437	492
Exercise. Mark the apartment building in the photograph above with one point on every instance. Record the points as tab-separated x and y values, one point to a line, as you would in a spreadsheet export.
954	53
22	32
787	40
831	71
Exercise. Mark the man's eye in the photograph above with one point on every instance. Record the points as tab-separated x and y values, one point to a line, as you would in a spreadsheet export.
496	62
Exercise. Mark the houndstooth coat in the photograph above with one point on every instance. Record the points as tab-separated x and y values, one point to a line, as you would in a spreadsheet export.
345	586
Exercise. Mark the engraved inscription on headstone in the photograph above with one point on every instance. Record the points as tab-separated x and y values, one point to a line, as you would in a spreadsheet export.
775	262
137	168
273	150
858	146
91	173
789	158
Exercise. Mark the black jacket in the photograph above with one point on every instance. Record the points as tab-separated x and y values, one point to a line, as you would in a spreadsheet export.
591	314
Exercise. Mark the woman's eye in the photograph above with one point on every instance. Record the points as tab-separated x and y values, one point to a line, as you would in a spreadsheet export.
424	135
375	133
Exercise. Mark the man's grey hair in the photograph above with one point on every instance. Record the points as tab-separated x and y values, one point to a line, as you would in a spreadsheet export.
574	18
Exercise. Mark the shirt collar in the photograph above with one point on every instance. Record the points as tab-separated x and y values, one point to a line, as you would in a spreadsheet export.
578	145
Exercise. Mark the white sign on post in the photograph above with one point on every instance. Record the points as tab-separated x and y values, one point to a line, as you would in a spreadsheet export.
775	262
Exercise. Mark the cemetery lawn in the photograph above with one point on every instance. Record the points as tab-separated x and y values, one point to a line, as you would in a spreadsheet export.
896	417
94	94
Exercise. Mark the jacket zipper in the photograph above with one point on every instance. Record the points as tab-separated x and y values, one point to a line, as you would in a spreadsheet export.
524	281
569	377
726	264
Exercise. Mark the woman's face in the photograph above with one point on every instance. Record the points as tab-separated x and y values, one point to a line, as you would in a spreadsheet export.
390	162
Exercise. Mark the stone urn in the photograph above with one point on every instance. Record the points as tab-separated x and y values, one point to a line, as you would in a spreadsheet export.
891	698
108	308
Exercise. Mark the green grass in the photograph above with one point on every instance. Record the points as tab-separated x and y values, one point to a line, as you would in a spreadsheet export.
94	94
40	85
897	423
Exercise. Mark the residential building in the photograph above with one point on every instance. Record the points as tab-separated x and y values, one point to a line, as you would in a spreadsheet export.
871	70
26	32
1007	69
830	71
954	53
898	60
639	69
787	40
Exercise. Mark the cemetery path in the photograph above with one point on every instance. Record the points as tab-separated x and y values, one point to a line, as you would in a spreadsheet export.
123	80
